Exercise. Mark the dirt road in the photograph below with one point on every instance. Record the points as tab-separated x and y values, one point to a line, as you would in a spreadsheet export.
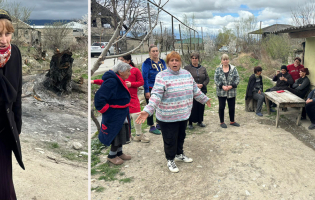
254	161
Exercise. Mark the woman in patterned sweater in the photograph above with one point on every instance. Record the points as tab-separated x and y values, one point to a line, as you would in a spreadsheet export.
172	98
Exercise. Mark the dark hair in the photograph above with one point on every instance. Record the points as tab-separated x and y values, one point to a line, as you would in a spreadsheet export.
151	46
196	55
284	67
257	69
305	70
297	58
128	57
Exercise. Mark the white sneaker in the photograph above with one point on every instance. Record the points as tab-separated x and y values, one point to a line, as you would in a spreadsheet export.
182	157
172	166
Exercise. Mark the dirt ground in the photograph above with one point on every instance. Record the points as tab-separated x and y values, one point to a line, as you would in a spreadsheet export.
254	161
53	168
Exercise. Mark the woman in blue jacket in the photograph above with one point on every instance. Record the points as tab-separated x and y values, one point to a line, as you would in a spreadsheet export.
310	108
150	68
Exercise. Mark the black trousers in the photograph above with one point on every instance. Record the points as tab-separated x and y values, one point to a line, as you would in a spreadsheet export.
7	191
231	104
310	110
197	112
150	118
301	95
174	134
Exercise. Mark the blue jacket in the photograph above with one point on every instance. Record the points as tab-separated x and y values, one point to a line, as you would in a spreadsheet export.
112	100
311	95
149	71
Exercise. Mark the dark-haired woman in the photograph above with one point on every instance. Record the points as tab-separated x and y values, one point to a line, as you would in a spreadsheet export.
301	87
255	89
201	77
150	68
133	82
294	69
10	106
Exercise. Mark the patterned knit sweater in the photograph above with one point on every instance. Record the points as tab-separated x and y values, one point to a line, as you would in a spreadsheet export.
172	96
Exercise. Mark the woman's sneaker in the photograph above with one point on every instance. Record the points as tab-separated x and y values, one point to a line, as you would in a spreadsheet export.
183	158
172	166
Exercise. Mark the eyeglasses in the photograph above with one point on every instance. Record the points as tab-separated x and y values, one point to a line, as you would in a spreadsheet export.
194	58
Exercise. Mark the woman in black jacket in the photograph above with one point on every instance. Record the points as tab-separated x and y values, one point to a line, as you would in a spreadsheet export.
10	106
201	77
255	89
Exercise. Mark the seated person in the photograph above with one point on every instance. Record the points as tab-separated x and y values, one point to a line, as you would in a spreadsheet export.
294	69
284	80
255	89
310	108
301	87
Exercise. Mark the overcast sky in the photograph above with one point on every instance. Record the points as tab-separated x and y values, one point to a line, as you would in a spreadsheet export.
56	9
213	15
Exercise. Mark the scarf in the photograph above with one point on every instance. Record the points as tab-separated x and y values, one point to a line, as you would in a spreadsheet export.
5	55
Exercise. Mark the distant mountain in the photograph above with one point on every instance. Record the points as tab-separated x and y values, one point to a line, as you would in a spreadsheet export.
42	22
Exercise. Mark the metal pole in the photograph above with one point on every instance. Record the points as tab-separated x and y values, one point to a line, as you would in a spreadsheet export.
190	40
161	40
181	42
195	40
150	38
173	34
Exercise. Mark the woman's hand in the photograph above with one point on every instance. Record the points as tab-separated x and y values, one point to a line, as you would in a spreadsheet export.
230	87
208	103
199	86
225	88
143	115
147	95
259	92
309	101
128	83
92	81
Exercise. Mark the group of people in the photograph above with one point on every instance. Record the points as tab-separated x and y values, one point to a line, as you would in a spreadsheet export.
176	95
292	78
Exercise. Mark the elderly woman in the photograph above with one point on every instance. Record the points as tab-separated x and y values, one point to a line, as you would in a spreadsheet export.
172	97
133	82
255	89
201	77
10	105
294	69
150	68
301	87
112	100
226	79
310	108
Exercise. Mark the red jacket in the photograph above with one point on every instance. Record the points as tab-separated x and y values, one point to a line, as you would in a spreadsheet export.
294	71
136	81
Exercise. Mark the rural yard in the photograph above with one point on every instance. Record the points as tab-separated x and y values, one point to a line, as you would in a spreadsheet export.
253	161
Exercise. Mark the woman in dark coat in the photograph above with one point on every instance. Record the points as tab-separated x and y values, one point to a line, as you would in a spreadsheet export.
255	89
301	87
10	106
112	100
201	77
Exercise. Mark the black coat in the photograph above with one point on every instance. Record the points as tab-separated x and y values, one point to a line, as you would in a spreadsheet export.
11	90
281	84
251	85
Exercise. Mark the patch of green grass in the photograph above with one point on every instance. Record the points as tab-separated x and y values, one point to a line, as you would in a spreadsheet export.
126	180
98	189
53	145
85	76
109	172
93	171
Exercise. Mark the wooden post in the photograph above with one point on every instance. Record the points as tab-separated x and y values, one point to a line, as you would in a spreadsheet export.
195	40
202	38
190	40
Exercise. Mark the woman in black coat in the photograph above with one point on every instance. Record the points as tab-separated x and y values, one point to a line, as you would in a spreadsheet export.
201	77
255	89
10	106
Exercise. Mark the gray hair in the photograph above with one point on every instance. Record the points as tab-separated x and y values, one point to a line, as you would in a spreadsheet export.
121	66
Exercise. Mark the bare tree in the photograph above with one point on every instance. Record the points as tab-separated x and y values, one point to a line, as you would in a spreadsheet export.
19	14
303	14
242	27
57	35
120	10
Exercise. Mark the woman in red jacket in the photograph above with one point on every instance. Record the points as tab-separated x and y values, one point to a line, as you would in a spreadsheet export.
134	81
294	69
